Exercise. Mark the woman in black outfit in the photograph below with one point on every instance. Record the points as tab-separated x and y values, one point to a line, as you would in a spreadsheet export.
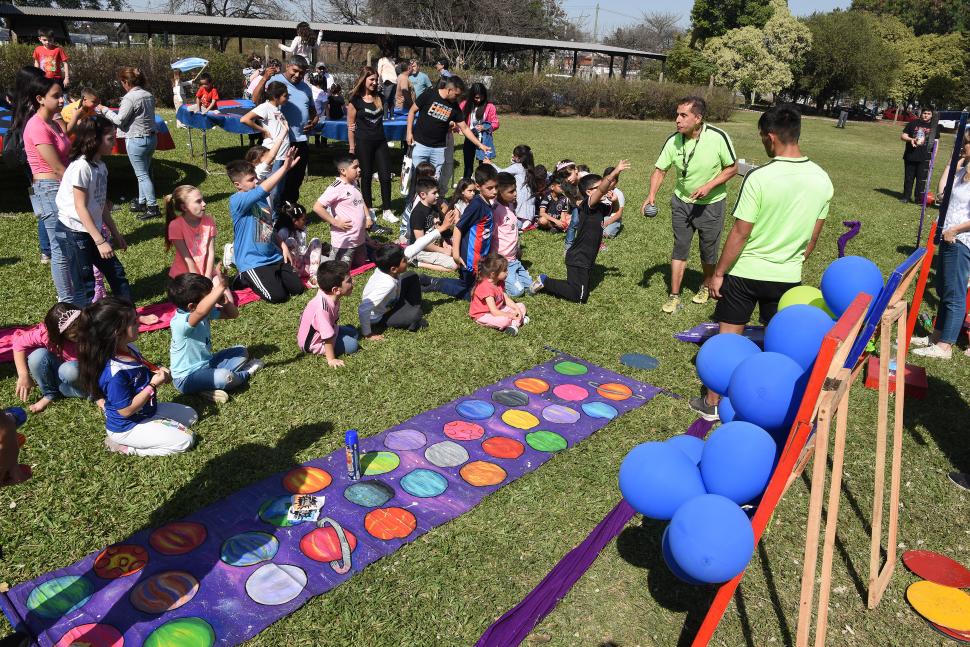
365	132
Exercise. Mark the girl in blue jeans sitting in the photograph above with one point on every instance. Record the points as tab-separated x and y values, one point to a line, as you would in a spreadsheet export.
47	355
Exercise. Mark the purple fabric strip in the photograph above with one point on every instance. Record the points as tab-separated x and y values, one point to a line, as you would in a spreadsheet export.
702	332
700	428
854	228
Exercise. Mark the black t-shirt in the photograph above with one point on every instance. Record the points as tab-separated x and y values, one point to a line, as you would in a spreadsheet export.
370	119
920	152
434	118
335	108
589	236
423	218
552	204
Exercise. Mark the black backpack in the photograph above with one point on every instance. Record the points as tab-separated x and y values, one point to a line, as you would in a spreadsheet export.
14	153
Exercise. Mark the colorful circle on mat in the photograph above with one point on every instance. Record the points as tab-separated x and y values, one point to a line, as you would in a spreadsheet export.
614	391
570	392
546	441
570	368
374	463
461	430
249	548
59	596
502	447
475	409
404	440
599	410
532	385
273	511
447	454
559	414
274	584
369	494
962	637
519	419
511	397
390	523
306	480
942	605
178	537
424	484
323	544
184	632
92	635
164	592
482	473
120	560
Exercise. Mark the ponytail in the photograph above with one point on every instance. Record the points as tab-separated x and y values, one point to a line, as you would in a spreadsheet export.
174	205
523	153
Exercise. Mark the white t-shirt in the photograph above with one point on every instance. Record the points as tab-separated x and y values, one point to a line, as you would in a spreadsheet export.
320	97
273	121
94	180
959	209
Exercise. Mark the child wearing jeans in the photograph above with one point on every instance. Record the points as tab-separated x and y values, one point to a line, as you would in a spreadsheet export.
342	206
195	368
48	355
507	236
319	332
489	306
305	254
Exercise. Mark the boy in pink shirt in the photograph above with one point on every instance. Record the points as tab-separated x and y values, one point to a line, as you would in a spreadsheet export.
318	332
342	206
507	235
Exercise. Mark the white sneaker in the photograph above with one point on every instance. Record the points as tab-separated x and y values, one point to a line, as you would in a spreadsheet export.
252	366
218	396
389	216
227	255
525	320
919	342
511	330
934	351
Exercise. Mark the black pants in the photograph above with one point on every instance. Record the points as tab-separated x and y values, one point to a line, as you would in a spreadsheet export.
468	151
274	283
915	171
374	156
406	313
293	180
575	288
390	91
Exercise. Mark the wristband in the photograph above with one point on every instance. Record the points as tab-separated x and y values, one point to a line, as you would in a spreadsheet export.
152	387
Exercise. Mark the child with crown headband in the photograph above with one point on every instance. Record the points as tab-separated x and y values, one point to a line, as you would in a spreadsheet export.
46	355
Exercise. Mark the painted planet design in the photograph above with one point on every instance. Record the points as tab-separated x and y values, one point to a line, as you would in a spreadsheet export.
184	632
178	537
121	560
447	454
482	473
424	484
519	419
306	480
559	414
369	494
404	440
248	548
599	410
614	391
461	430
511	397
570	392
164	592
323	544
570	368
92	635
532	385
502	447
374	463
475	409
273	511
59	596
390	523
274	584
546	441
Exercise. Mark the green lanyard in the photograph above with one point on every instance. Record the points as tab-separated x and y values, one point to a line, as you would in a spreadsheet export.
683	152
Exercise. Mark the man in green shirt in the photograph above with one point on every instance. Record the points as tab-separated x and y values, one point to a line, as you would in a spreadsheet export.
779	215
704	160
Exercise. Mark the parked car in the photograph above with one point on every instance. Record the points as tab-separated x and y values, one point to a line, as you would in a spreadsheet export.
856	113
905	116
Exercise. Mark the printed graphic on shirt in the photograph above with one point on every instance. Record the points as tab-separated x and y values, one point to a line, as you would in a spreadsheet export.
263	231
439	111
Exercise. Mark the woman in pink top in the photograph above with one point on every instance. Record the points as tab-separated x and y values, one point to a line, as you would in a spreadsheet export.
47	355
481	117
190	231
46	146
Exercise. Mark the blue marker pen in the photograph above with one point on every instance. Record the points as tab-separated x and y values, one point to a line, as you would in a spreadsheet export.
353	454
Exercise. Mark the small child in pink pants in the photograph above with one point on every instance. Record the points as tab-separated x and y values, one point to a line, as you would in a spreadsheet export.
490	307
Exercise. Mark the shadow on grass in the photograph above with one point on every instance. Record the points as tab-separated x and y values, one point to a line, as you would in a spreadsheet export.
943	414
151	288
9	260
892	193
693	279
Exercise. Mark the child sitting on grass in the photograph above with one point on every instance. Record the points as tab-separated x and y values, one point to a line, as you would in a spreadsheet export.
113	369
342	206
507	236
48	354
422	170
554	206
190	230
305	255
489	306
195	369
425	216
319	332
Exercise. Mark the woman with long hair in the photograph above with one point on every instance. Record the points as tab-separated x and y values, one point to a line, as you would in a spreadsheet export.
365	132
481	116
24	106
302	44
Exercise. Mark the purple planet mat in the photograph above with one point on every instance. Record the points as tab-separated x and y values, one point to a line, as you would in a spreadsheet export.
228	571
702	332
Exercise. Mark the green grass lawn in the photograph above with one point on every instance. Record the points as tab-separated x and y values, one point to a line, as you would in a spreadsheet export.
450	584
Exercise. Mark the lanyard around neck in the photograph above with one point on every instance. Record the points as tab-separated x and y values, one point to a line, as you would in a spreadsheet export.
683	152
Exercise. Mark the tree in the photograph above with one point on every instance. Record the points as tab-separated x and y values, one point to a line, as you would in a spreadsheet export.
926	57
922	16
711	18
656	32
686	64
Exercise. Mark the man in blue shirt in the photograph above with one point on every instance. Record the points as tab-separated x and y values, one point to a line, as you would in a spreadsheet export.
419	80
300	115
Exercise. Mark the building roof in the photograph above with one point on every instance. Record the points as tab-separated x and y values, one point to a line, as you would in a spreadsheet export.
27	19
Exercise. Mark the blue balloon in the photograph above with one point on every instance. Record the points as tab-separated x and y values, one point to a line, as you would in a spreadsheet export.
766	390
672	564
845	278
656	479
711	538
718	358
690	445
737	461
725	410
798	331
